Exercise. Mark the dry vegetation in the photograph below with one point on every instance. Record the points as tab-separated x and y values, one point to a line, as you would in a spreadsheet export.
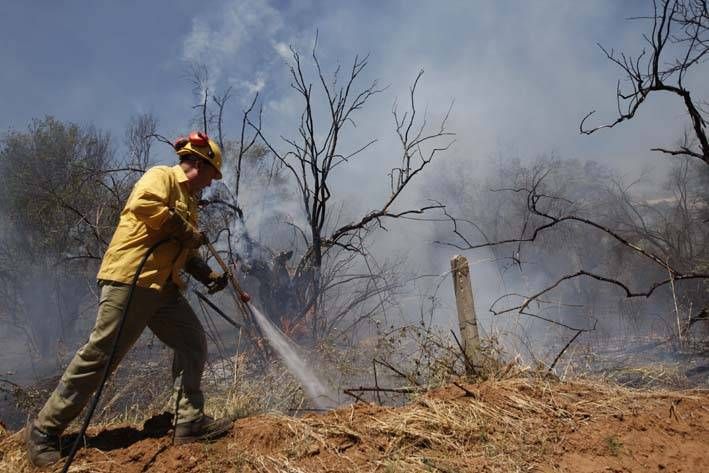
521	423
642	411
512	418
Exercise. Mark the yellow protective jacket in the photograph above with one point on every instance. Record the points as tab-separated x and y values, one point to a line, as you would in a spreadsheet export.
159	190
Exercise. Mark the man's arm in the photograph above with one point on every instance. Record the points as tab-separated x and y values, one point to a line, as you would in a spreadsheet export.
149	203
149	199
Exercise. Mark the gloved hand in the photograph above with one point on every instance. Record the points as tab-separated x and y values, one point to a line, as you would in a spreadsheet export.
204	274
217	282
185	233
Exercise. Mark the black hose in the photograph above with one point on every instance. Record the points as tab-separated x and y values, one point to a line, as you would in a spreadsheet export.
217	310
114	349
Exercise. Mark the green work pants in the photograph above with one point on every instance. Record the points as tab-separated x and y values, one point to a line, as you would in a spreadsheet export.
173	321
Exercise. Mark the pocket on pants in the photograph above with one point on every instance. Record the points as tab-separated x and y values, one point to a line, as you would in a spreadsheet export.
92	354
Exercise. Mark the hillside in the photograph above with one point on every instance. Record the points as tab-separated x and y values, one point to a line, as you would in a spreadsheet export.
521	424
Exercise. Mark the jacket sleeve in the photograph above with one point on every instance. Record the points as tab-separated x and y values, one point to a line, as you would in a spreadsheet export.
149	199
198	268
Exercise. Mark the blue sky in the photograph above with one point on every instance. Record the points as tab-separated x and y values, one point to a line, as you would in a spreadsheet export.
522	74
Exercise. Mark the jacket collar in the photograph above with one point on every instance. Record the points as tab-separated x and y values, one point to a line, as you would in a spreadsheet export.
179	173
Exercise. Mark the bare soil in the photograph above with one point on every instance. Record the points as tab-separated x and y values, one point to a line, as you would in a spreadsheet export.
520	424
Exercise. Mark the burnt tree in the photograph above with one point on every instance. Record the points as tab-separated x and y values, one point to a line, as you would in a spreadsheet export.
311	158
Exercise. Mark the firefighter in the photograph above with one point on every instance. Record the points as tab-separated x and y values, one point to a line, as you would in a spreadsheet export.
161	207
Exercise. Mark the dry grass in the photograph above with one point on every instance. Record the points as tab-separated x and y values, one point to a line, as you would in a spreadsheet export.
514	420
511	425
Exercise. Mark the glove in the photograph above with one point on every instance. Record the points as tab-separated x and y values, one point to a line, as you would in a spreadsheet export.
185	233
201	271
217	282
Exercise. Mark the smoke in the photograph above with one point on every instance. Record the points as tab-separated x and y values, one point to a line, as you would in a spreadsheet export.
463	178
489	200
521	76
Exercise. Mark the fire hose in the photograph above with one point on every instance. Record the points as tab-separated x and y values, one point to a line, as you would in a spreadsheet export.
244	297
114	349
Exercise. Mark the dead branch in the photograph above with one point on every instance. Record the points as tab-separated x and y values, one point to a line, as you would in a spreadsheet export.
403	375
376	381
356	396
236	209
315	151
676	24
401	390
200	87
245	144
535	200
568	344
467	391
220	102
467	360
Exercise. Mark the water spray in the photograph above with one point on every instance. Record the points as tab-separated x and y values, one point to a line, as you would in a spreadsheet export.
314	388
321	396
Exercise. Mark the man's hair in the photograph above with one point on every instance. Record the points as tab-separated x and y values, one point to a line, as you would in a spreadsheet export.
191	158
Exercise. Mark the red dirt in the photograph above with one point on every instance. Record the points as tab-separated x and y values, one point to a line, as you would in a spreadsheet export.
504	426
664	436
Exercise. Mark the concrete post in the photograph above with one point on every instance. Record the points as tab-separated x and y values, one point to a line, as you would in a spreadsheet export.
466	310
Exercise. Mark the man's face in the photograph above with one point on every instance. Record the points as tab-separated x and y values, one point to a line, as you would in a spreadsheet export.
204	175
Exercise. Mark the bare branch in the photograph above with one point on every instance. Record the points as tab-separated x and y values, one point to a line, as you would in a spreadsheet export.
681	24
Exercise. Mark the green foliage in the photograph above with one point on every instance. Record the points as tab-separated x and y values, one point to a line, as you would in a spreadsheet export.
51	198
59	203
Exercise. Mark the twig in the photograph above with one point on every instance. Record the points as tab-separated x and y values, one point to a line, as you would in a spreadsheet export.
403	375
401	390
359	398
468	363
376	382
674	299
467	391
579	332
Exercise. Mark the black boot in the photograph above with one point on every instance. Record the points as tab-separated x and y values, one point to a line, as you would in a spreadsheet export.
203	429
42	447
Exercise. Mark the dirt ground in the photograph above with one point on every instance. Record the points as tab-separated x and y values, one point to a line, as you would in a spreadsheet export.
518	424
